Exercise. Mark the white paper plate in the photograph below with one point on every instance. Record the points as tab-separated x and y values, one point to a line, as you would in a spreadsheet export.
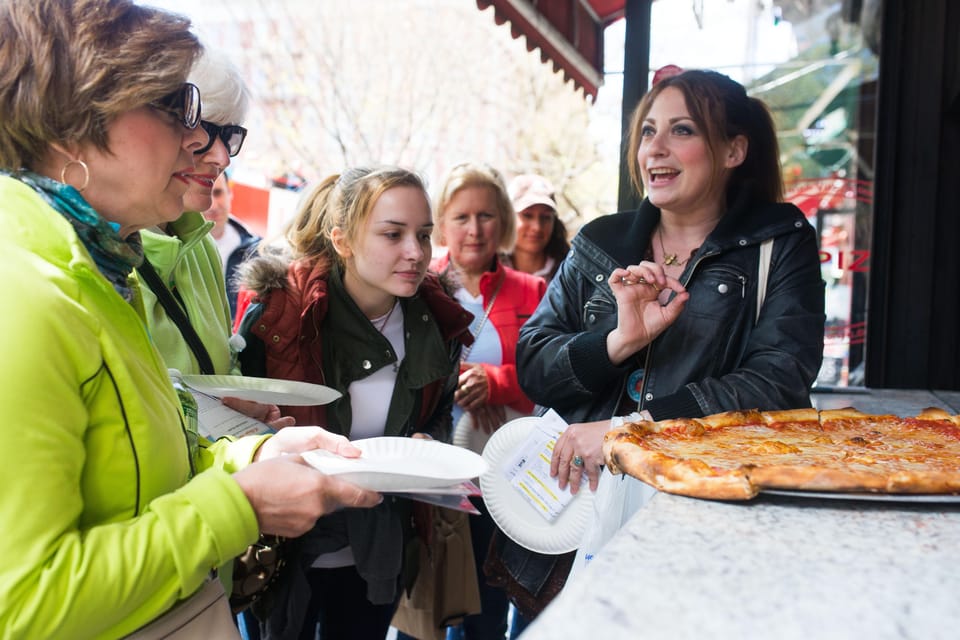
464	435
514	515
266	390
401	464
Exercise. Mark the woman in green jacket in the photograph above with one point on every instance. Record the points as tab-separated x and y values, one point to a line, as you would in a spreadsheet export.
182	252
112	511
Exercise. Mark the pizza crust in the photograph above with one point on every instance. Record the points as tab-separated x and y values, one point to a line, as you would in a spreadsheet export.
790	415
688	477
936	413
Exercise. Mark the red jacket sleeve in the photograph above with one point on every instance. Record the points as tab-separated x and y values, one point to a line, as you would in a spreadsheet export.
244	298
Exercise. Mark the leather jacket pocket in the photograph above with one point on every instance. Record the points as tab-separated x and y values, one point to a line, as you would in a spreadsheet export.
597	313
719	291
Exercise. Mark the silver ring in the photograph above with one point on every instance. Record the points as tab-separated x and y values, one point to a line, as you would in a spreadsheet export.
577	461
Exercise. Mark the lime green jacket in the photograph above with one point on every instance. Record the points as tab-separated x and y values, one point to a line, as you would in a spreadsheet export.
188	260
103	525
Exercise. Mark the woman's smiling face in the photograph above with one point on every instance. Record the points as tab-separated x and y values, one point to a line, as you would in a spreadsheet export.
676	165
209	165
534	228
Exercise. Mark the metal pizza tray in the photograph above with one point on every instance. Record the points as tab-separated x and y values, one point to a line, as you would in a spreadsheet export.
876	497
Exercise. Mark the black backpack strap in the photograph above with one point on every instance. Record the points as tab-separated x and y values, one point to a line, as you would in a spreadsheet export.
176	313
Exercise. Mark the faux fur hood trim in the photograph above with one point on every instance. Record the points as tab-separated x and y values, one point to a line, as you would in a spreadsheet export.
265	272
449	281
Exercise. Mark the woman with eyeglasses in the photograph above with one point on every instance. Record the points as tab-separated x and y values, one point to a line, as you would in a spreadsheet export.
181	257
114	511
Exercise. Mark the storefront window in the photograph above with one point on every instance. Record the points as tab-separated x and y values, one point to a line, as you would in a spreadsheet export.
814	65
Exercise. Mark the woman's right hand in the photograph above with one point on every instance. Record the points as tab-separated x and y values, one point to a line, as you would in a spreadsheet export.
641	316
288	495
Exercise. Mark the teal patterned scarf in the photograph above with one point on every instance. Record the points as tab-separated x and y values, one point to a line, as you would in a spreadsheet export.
115	257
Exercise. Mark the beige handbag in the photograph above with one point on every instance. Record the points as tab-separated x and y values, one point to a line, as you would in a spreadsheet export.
203	616
446	588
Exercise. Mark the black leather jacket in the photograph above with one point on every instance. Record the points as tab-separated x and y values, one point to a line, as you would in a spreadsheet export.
717	356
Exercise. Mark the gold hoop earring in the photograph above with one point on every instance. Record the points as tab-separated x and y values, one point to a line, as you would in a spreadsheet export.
86	174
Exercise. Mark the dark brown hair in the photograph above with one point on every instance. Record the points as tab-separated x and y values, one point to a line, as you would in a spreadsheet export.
721	108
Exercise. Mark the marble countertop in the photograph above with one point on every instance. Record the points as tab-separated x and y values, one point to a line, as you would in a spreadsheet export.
774	567
901	402
770	568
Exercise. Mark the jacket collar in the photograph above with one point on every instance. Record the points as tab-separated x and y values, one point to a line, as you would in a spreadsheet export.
246	237
165	250
622	238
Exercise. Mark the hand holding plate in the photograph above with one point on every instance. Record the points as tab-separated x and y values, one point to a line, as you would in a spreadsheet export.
299	439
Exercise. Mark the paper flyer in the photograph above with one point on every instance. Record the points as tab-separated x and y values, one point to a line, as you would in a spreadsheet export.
529	469
215	420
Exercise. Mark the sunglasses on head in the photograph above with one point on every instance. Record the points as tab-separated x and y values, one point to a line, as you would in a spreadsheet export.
184	104
232	136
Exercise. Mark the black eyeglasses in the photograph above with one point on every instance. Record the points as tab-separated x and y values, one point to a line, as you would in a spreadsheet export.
232	136
184	103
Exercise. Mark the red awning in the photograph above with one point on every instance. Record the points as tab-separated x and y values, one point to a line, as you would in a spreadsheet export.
568	33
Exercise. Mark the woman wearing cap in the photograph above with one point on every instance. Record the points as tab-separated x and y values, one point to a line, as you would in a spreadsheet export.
541	235
182	255
114	509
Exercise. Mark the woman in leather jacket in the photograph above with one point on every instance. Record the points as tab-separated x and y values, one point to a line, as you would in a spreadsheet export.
657	312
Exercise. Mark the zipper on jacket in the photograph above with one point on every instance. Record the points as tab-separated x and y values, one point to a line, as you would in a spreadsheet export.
318	336
646	364
646	368
693	269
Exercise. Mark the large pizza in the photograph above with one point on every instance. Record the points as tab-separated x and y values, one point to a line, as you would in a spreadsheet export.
735	455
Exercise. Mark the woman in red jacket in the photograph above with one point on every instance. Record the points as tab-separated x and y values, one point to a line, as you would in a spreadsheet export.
475	221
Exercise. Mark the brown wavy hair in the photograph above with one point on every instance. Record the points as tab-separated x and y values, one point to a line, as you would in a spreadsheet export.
69	67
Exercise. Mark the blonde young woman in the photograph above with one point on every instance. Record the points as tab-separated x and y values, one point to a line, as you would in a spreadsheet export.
351	306
115	510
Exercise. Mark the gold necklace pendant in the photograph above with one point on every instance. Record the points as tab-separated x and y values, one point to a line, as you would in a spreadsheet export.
669	259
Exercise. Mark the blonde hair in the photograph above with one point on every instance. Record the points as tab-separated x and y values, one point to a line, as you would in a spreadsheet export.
343	201
470	174
69	67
